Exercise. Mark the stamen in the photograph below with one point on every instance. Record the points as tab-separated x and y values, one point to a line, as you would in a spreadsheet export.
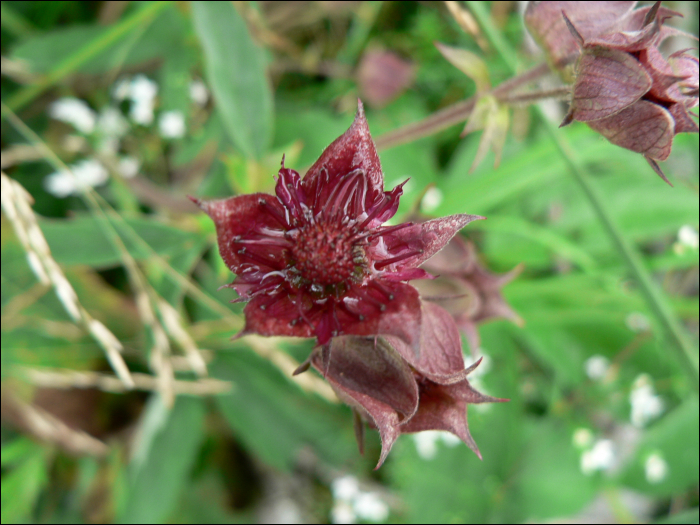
386	262
319	185
390	229
329	205
376	211
244	252
342	190
298	208
279	243
274	214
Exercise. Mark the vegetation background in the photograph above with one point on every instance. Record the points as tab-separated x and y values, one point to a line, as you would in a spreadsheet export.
603	419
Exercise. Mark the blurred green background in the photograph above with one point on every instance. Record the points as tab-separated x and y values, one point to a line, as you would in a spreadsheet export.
150	102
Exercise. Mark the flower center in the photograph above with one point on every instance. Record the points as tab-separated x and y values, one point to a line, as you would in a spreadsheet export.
325	254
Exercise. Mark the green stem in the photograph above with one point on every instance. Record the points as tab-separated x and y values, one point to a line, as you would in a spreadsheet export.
71	63
655	300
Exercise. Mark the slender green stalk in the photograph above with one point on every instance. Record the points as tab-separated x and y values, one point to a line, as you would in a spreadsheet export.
656	301
71	63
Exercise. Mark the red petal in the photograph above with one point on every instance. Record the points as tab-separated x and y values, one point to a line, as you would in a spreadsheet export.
274	315
381	308
247	217
424	239
353	150
643	127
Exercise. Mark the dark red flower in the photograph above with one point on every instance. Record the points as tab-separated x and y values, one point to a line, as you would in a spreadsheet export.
624	88
400	392
316	260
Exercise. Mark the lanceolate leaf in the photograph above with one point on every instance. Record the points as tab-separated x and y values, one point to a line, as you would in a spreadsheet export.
235	67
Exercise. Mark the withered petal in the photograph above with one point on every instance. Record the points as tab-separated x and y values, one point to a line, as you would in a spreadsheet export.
643	127
440	357
607	82
367	373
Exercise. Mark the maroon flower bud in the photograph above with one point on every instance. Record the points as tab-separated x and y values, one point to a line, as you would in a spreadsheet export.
400	392
467	290
624	88
316	260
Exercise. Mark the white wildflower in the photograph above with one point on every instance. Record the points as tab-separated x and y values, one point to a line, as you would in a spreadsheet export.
583	438
596	367
431	200
128	166
75	112
199	92
345	488
600	457
638	322
371	507
342	512
172	125
121	89
426	443
688	237
655	468
646	405
84	174
111	122
142	93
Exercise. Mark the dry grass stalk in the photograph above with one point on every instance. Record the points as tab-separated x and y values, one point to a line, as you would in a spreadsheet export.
65	379
16	203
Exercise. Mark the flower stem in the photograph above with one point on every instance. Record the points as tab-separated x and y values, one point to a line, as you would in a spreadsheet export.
455	113
655	300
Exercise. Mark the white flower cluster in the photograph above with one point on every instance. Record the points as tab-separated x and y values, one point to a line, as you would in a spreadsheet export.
646	405
84	174
141	91
351	503
108	126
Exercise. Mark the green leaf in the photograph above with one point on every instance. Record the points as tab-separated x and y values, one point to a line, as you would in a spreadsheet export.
21	486
142	43
81	240
236	70
163	459
275	419
549	481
